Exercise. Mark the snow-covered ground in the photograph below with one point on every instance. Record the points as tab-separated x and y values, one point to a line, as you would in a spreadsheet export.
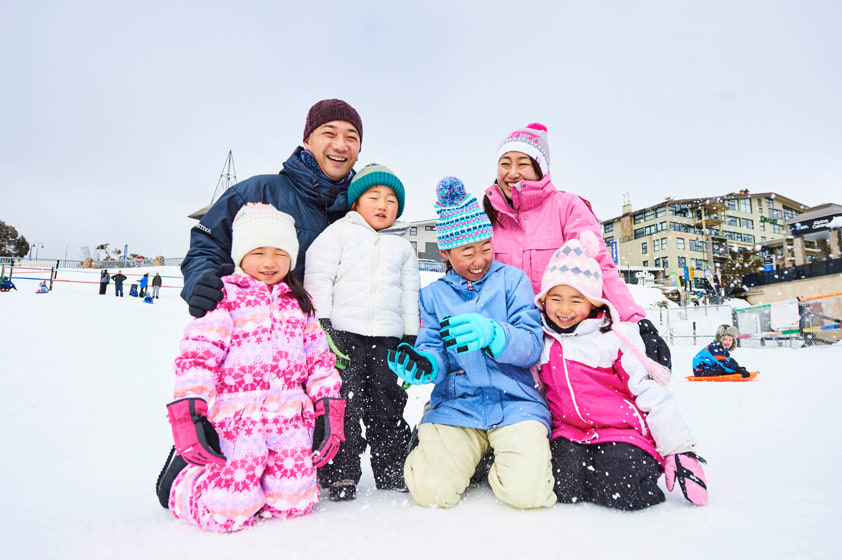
83	435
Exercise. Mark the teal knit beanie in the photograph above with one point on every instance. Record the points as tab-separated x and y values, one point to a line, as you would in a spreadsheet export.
372	175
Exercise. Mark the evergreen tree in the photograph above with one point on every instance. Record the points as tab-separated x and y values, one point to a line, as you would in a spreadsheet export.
12	244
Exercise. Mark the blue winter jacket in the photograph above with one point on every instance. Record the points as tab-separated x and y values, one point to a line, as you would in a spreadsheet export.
714	354
297	190
474	389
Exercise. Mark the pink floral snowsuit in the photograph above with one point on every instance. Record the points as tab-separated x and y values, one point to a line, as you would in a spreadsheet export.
260	363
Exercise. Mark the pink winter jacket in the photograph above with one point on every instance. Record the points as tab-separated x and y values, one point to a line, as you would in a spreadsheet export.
539	221
598	392
256	359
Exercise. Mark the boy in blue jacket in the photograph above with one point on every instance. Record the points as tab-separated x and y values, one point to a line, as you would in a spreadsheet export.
715	358
480	334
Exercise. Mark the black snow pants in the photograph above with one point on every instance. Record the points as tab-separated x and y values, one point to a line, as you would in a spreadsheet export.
374	396
616	475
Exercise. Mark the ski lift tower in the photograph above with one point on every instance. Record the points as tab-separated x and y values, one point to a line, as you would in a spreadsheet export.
227	177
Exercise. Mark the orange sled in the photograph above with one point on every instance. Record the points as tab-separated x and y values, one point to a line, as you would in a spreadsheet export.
729	377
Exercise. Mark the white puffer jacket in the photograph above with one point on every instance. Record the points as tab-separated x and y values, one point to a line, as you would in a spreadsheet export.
364	281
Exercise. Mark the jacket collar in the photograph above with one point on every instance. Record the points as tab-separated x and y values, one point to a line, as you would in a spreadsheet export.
530	195
315	189
243	280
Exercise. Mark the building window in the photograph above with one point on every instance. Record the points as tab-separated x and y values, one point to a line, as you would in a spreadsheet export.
777	228
679	243
609	240
429	228
775	214
663	244
645	263
414	245
662	226
657	263
609	227
413	230
731	204
665	262
643	248
745	205
682	262
638	218
732	221
762	226
770	203
748	238
661	211
698	246
656	244
747	223
790	213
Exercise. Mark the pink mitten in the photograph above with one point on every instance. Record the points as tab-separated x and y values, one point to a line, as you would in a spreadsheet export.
329	430
687	469
192	432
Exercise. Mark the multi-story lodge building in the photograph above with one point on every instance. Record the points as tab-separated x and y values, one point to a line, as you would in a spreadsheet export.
690	238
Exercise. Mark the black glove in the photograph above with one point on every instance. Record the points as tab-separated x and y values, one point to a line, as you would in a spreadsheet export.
207	291
744	372
336	343
656	347
409	339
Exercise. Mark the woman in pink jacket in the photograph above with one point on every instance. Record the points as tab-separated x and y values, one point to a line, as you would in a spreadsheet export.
257	406
614	424
532	218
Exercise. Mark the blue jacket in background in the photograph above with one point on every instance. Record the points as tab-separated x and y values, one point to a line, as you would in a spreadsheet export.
714	354
473	389
296	190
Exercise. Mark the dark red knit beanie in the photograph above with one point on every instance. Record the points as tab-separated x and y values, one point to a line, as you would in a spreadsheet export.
328	110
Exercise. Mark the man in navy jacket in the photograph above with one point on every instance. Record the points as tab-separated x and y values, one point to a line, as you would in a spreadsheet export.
312	188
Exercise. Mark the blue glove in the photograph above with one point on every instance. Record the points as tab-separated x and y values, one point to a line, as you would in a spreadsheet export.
413	366
472	331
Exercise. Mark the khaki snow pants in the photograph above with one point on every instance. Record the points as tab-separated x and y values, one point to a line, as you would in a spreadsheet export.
438	471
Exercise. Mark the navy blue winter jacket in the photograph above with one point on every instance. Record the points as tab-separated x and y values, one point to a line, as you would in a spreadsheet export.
313	202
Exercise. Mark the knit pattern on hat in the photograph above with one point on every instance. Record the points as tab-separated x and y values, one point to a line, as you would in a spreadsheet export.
530	140
574	265
262	225
328	110
461	221
373	175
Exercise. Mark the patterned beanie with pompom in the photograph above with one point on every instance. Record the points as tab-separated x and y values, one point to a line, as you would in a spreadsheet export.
575	265
461	221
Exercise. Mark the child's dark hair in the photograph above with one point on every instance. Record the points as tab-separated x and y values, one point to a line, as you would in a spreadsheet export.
486	204
605	313
301	295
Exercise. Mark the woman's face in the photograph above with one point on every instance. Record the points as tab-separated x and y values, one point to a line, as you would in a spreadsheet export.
513	167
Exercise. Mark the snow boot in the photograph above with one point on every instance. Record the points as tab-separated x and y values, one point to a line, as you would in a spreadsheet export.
342	491
174	465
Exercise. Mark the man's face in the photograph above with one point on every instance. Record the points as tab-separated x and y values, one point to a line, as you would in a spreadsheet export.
336	147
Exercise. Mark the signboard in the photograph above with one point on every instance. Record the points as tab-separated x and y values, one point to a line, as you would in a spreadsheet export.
614	253
138	259
815	225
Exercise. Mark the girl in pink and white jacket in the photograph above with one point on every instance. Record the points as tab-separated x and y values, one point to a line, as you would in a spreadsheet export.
257	405
532	218
614	424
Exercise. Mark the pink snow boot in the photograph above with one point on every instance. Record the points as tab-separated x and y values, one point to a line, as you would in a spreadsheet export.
687	469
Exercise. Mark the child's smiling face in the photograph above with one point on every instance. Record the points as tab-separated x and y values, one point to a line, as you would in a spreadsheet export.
566	306
727	341
471	261
270	265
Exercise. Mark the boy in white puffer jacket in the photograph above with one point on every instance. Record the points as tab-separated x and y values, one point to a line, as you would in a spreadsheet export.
362	275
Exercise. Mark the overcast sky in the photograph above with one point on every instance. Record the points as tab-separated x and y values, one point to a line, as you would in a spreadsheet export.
116	118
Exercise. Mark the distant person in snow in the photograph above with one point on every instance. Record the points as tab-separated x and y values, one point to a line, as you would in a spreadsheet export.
312	188
156	285
118	278
144	281
363	277
532	218
615	426
257	397
715	358
104	278
6	284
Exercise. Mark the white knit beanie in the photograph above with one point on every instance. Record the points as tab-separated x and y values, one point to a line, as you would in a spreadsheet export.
262	225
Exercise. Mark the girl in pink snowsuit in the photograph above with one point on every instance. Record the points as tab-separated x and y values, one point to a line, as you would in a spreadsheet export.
256	372
532	218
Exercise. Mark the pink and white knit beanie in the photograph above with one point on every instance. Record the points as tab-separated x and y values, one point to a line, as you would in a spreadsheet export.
574	265
532	141
262	225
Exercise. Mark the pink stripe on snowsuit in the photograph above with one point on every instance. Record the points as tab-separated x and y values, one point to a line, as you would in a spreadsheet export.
539	221
260	363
